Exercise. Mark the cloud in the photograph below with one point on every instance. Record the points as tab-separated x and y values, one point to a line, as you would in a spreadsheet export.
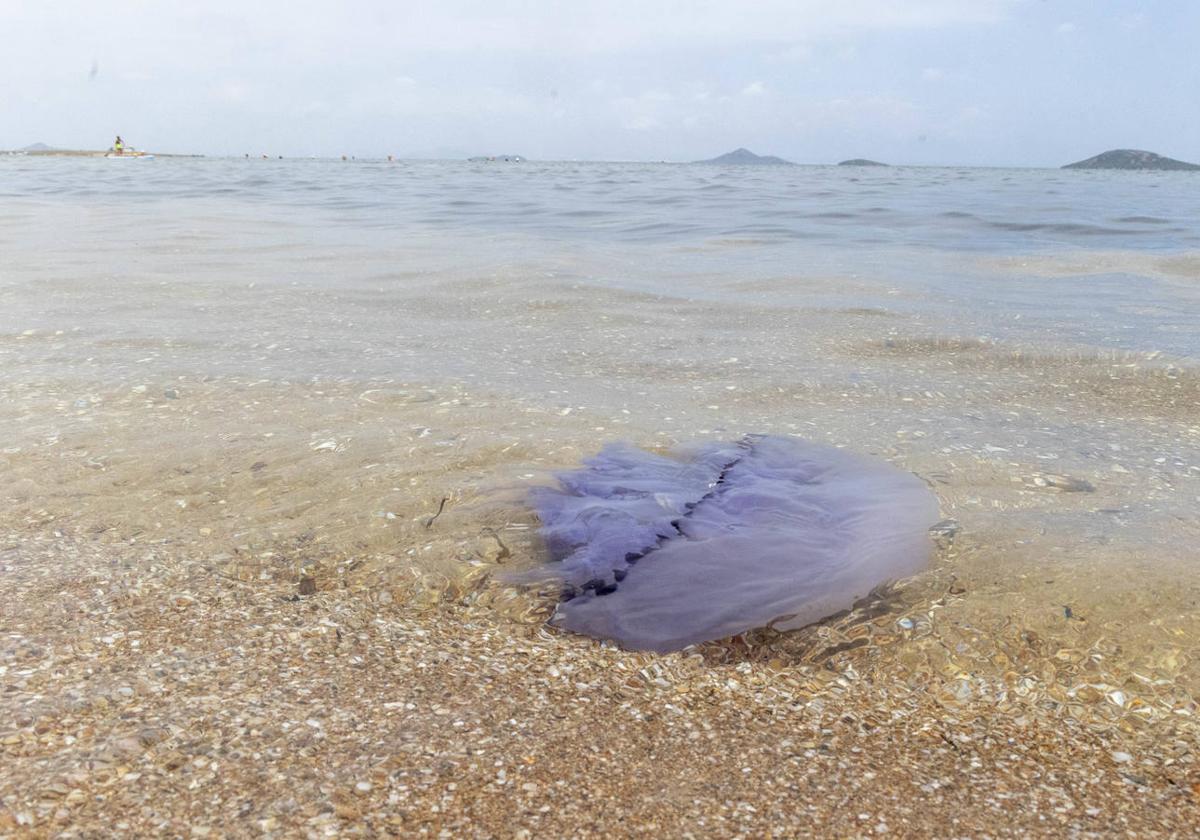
234	91
933	74
1066	27
754	89
965	120
644	112
792	54
850	116
642	122
217	27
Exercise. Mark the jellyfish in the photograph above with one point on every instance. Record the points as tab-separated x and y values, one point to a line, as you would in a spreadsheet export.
658	552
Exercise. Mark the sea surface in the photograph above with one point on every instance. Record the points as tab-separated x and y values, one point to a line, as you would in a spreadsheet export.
287	364
1097	258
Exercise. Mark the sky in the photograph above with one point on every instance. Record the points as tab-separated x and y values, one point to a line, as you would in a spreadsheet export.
962	82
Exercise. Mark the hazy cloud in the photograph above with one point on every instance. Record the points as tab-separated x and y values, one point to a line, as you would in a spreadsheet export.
679	79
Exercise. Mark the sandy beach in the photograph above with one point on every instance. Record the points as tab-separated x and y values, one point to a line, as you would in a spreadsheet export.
155	696
241	642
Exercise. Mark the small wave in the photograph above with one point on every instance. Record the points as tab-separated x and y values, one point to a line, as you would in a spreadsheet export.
1061	227
657	227
666	200
584	214
1142	220
737	242
832	214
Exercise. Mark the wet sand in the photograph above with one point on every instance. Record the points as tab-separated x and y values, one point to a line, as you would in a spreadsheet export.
155	696
260	623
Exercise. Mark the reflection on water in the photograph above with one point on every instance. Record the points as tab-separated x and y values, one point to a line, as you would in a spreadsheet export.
291	382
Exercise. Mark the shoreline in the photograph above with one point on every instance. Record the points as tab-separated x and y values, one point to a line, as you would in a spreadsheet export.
77	153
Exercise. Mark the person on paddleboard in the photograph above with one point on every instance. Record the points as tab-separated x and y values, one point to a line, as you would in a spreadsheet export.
119	145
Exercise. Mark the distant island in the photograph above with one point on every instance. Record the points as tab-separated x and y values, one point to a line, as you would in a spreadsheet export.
745	157
1132	159
861	162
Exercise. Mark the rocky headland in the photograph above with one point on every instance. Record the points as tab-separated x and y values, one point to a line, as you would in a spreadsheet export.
1132	159
745	157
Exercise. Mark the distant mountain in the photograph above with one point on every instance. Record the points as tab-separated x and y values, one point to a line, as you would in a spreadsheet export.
1131	159
861	162
745	157
37	147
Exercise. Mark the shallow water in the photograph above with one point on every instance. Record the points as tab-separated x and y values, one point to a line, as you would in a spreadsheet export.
286	366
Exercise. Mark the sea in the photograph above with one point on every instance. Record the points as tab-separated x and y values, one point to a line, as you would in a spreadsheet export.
353	368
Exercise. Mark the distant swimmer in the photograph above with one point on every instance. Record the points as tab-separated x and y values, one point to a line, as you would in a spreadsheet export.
119	145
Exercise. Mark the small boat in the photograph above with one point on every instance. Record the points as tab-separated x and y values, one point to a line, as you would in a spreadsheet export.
130	155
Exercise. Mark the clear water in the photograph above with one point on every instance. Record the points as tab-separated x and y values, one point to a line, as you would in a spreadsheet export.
1041	255
379	337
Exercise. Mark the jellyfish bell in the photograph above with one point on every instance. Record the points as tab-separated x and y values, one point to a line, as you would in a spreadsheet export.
727	537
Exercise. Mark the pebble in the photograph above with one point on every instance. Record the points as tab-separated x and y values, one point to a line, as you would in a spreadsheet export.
1066	483
945	531
128	746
